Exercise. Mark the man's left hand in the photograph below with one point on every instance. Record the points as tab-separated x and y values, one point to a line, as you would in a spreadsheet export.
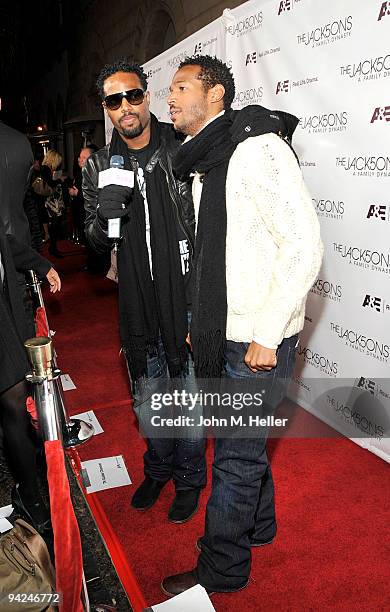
54	280
73	191
259	357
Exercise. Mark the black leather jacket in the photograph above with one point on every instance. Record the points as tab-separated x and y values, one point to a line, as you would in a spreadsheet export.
180	191
16	159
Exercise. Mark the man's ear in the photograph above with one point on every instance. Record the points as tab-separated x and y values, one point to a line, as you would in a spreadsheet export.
217	93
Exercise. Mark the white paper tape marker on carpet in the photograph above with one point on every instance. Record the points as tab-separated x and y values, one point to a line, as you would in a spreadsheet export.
192	600
5	512
67	382
105	473
90	417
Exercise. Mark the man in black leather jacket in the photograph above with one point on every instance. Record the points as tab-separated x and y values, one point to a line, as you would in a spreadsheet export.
16	161
154	266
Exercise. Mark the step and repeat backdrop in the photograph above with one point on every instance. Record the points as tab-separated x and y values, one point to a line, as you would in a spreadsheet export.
328	63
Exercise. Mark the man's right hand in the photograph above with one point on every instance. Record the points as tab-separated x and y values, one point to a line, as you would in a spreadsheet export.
114	201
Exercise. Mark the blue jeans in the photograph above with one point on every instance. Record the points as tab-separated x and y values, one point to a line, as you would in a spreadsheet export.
179	458
241	508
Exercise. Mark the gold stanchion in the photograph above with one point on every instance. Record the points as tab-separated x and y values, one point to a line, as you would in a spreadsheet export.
40	354
45	378
73	431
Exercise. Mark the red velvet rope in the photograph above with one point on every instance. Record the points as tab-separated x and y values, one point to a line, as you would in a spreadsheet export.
67	543
121	564
41	326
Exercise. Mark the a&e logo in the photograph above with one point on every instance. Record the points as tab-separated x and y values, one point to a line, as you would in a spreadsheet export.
372	302
284	5
377	211
381	113
251	58
283	87
366	384
385	10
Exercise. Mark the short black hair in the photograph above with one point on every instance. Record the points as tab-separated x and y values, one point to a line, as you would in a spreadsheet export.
92	147
213	72
121	65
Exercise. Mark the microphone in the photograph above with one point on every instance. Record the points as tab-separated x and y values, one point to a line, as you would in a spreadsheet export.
114	225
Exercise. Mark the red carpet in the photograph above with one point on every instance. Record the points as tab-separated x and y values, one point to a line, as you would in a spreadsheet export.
332	548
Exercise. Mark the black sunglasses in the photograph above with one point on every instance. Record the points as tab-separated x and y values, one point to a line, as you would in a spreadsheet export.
133	96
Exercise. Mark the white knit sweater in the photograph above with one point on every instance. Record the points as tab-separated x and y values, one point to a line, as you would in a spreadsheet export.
273	244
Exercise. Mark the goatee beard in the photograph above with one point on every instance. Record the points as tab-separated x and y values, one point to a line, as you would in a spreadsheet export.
132	132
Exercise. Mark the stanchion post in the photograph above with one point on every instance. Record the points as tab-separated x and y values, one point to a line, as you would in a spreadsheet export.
74	431
47	400
40	353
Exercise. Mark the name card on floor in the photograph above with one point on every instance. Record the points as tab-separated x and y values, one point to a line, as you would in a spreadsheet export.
67	382
192	600
6	511
90	417
5	525
105	473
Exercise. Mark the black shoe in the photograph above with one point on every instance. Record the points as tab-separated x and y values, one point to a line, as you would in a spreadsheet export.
174	585
147	493
185	505
35	512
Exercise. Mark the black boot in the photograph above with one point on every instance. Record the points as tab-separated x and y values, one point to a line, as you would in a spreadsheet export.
147	493
185	505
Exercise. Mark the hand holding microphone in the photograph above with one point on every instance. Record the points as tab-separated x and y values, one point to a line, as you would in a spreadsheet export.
114	197
114	201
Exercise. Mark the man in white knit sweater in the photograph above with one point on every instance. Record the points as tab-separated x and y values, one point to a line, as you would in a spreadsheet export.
257	253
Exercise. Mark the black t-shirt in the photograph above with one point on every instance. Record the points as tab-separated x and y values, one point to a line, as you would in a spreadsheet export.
142	156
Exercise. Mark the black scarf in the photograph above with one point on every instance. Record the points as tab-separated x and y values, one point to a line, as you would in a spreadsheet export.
209	152
150	307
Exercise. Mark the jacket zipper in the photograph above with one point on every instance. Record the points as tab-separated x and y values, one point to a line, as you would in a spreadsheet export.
178	211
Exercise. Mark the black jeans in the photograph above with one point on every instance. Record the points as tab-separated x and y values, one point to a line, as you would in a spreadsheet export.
182	459
241	509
